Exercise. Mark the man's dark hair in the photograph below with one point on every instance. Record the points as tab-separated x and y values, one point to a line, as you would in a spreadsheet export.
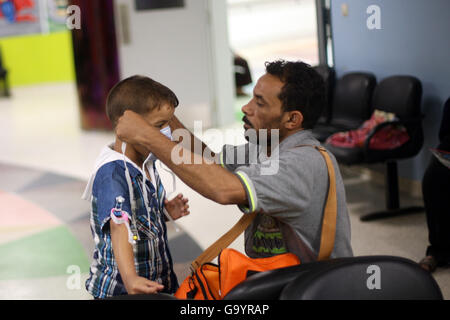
139	94
303	90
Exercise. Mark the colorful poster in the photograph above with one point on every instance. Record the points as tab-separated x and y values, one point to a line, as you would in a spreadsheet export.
57	15
19	17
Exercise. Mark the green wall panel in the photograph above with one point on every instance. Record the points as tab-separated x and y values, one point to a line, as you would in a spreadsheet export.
39	58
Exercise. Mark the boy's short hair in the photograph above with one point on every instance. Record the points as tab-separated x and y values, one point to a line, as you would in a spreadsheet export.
139	94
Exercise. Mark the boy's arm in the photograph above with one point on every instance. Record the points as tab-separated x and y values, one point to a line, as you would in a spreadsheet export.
123	253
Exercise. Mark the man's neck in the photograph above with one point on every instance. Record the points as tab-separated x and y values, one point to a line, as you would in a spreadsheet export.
288	134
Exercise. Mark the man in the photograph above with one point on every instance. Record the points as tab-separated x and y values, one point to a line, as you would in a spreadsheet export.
289	196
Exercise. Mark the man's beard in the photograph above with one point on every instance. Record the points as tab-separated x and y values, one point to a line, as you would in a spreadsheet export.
261	137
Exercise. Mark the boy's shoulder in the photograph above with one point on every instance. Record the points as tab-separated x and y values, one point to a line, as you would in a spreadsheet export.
114	171
109	173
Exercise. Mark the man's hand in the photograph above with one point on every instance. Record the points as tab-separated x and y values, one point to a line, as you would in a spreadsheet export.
129	126
177	207
140	285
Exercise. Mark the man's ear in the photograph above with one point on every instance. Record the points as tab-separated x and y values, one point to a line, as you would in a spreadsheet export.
294	120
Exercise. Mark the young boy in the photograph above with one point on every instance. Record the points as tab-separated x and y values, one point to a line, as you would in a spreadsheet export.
131	254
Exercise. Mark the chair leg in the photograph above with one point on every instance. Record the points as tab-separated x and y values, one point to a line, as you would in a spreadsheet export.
391	186
392	198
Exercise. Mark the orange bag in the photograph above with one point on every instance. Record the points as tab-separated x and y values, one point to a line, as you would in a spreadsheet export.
213	282
203	284
235	267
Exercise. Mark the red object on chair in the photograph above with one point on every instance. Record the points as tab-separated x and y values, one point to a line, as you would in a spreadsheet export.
389	137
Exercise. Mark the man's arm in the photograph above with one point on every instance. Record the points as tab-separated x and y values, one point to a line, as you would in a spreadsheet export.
209	179
176	124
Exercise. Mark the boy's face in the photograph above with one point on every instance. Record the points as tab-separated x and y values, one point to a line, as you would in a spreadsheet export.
159	118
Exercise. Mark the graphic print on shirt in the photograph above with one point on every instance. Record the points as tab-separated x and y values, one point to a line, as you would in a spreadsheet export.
267	238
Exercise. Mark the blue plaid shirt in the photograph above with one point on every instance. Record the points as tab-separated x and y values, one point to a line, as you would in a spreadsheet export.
104	279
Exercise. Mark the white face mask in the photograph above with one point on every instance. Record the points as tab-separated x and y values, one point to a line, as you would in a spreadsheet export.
168	133
152	158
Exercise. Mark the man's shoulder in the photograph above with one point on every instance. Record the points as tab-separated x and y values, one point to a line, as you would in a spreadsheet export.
301	161
300	142
302	155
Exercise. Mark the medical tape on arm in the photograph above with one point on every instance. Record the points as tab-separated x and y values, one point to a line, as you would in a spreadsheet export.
122	217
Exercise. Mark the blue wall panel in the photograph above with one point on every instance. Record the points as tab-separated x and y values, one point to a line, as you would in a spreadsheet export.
414	39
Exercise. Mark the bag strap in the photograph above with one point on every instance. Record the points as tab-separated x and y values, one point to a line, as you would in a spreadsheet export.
328	233
328	226
224	241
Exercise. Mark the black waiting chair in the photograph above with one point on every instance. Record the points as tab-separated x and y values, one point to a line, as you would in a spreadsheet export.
353	278
351	104
268	285
4	78
364	278
400	95
329	76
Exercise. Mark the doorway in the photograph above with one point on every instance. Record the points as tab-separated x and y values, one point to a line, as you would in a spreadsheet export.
268	30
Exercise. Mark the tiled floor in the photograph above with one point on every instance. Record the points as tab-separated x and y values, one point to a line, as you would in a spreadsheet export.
45	240
44	163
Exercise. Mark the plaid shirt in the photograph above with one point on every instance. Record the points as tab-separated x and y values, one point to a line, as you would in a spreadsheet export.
104	280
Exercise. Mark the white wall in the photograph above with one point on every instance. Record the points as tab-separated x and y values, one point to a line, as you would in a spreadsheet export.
222	69
183	49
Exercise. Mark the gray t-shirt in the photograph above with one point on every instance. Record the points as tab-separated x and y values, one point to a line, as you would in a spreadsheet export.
289	191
